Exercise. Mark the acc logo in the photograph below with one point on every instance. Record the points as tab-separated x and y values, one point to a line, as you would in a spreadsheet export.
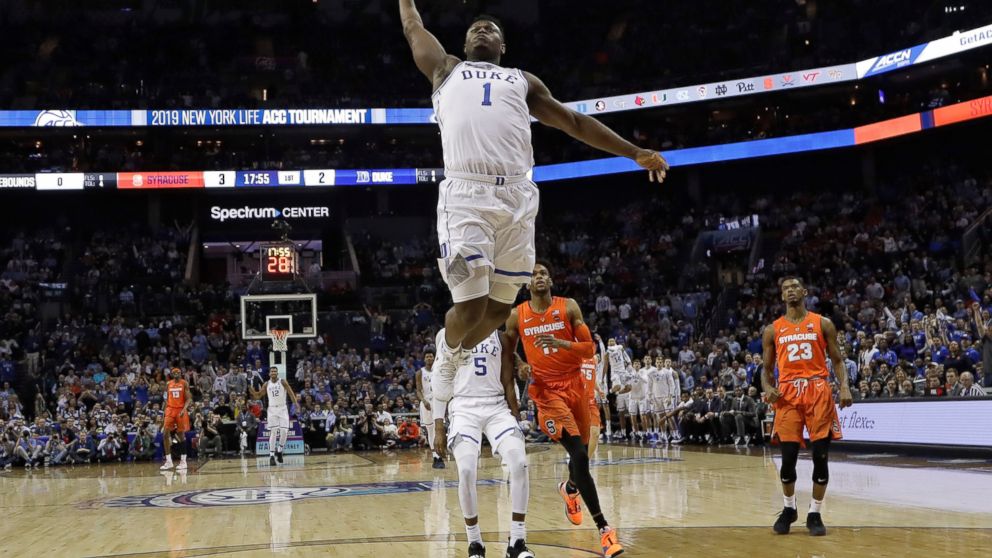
57	118
600	106
248	496
550	425
137	181
895	60
639	101
721	89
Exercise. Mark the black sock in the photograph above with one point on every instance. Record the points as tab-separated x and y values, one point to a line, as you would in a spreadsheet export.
570	487
580	476
600	521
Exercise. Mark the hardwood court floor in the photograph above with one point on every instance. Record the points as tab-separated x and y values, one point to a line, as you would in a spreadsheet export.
676	502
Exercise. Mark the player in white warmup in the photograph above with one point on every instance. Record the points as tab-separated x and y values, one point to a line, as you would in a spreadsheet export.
602	389
647	413
664	397
485	402
425	394
619	362
637	400
277	413
487	202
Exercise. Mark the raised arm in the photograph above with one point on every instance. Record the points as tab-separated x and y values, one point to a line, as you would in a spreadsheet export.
550	112
428	54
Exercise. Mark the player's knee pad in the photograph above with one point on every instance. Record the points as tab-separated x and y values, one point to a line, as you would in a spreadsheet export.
514	454
821	471
504	292
466	459
790	455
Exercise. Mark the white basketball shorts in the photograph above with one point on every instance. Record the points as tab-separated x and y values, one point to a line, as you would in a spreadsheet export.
485	227
278	418
471	417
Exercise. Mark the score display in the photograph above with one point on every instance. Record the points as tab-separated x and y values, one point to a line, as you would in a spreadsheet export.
280	262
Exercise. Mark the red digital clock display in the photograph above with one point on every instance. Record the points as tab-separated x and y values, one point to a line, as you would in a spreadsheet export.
279	263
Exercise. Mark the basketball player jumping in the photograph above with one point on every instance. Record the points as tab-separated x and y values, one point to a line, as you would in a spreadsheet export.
485	402
799	343
487	203
620	371
277	414
177	402
556	340
425	395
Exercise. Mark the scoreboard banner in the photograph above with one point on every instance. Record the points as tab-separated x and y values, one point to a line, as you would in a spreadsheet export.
327	178
947	46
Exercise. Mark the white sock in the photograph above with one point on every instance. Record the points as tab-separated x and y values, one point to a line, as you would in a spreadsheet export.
518	531
474	533
790	501
435	455
814	506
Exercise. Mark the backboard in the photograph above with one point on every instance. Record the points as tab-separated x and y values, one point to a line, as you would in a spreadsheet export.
294	312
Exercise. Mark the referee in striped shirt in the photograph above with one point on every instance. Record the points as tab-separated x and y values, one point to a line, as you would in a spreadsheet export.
968	387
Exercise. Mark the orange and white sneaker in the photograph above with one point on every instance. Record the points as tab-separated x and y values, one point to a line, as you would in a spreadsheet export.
573	508
611	546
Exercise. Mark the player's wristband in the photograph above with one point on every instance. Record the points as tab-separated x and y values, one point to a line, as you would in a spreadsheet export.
439	409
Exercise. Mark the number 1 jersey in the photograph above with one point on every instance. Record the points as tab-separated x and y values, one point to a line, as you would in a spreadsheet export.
482	111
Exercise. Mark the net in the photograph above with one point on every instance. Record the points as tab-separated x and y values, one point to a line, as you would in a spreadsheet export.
279	337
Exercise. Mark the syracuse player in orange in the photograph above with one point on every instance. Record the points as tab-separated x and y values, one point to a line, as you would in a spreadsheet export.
799	343
556	340
588	368
177	401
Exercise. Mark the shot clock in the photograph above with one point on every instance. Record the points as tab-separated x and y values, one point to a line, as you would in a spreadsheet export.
280	262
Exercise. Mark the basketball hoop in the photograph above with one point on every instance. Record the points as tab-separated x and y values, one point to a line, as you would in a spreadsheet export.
279	337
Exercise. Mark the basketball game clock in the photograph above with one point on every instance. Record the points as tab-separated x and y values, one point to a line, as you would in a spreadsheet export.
279	262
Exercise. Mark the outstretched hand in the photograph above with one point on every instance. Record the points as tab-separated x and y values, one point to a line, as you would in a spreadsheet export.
655	164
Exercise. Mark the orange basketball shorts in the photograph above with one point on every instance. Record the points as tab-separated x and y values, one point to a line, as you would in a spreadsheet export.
562	406
173	421
809	403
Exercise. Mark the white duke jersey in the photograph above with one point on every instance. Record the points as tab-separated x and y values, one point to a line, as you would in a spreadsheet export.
663	383
277	395
482	111
638	382
480	376
425	380
619	363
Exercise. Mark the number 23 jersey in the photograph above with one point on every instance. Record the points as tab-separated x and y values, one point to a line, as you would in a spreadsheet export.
800	348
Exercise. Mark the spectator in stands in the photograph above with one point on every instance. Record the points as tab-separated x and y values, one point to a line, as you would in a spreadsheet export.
408	433
952	386
211	440
968	386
